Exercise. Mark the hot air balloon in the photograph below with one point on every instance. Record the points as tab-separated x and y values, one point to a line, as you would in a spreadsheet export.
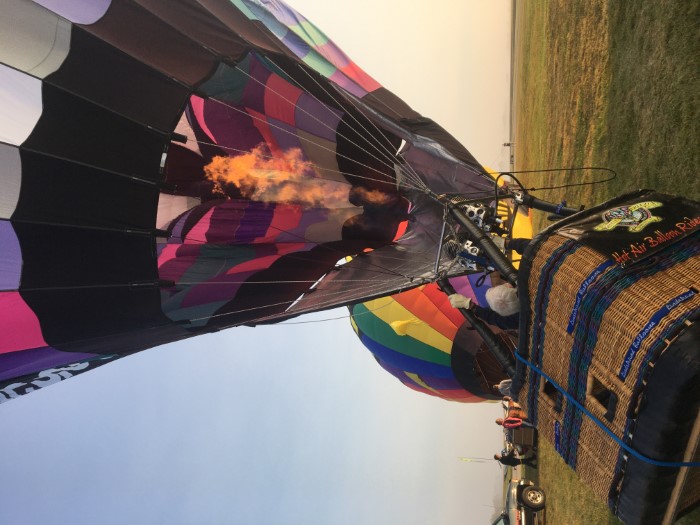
173	168
429	346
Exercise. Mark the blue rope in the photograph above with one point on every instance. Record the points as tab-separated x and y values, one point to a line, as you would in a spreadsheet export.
602	426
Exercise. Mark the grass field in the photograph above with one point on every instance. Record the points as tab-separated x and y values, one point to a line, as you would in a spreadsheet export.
608	84
612	84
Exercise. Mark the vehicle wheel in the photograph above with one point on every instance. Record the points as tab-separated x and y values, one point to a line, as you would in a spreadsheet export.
533	497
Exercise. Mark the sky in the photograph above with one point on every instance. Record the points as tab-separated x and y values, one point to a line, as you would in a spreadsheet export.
292	424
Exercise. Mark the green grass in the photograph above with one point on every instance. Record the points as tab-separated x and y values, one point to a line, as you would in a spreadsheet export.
568	500
571	502
613	84
610	84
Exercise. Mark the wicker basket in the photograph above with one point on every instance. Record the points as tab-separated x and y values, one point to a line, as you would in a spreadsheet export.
593	331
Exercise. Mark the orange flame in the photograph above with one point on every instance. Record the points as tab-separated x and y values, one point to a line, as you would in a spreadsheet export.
376	197
285	177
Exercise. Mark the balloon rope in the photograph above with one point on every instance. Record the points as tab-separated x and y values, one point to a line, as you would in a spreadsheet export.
270	157
387	155
305	139
275	43
379	288
319	168
279	281
570	185
412	173
604	427
346	316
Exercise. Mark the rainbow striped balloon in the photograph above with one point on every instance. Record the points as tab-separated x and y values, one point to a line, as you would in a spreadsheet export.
420	339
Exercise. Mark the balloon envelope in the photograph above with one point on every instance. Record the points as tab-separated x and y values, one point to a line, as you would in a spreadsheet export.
172	168
420	339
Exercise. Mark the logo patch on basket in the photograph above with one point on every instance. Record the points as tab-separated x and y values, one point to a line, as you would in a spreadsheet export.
634	217
632	230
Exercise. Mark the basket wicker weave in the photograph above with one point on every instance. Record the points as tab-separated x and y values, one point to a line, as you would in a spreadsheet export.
604	356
